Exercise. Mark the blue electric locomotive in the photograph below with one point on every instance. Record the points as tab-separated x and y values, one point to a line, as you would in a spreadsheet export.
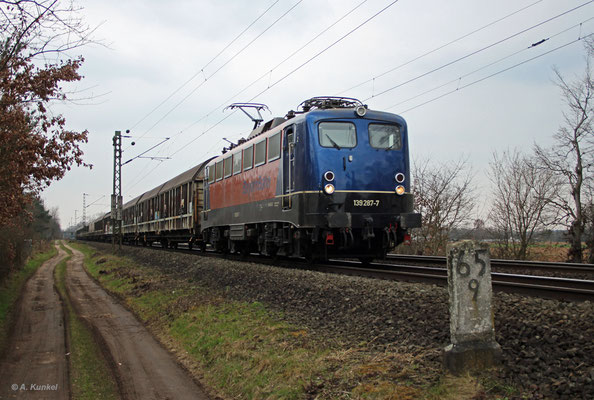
330	179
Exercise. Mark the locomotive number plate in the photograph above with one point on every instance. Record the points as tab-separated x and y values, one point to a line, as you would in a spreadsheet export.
366	203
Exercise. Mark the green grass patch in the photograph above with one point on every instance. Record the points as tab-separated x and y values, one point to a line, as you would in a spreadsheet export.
90	375
247	353
11	288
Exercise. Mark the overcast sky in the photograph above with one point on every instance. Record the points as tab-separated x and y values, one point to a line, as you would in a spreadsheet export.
154	48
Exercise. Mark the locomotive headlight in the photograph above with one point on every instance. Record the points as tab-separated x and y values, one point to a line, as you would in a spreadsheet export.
329	188
360	111
329	176
399	177
400	190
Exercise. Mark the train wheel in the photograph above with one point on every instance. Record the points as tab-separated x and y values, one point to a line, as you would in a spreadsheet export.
312	258
245	250
312	255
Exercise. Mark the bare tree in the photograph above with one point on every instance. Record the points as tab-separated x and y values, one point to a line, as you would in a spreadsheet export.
571	157
444	196
521	193
47	29
589	45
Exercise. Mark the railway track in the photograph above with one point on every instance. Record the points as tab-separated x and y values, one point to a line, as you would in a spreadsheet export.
531	285
548	267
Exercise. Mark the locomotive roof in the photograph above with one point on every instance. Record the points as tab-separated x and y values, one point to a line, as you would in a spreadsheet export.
273	123
350	113
277	123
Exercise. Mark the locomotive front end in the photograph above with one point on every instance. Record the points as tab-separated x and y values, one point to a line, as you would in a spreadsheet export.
359	167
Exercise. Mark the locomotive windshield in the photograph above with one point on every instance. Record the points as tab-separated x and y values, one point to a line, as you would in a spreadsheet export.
382	136
337	134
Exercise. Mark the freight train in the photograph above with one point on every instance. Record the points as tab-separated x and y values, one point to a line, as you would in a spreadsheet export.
331	179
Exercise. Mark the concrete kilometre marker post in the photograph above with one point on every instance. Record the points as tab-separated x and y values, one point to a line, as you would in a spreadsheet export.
472	329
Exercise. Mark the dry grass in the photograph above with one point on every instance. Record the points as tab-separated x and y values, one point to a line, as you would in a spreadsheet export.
457	388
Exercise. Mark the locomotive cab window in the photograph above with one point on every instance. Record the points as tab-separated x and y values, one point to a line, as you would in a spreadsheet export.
384	136
248	158
219	170
227	167
237	163
274	147
260	156
337	134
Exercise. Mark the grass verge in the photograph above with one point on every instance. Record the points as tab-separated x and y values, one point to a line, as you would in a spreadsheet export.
90	375
11	289
241	350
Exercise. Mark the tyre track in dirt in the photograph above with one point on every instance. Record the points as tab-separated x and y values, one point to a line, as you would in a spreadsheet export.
145	370
35	365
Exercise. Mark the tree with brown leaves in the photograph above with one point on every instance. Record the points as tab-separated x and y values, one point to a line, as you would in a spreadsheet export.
35	145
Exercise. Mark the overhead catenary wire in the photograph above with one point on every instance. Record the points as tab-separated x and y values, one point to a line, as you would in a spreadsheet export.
146	151
459	79
136	180
204	67
94	203
269	72
328	28
295	70
201	157
441	47
326	49
284	77
359	26
478	51
497	73
220	68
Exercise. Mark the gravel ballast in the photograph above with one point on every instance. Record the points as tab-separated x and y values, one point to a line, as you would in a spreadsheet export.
548	345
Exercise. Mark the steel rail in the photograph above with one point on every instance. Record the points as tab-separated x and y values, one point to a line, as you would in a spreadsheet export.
540	286
498	263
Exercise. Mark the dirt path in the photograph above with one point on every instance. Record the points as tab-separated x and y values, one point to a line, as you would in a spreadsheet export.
35	366
144	368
